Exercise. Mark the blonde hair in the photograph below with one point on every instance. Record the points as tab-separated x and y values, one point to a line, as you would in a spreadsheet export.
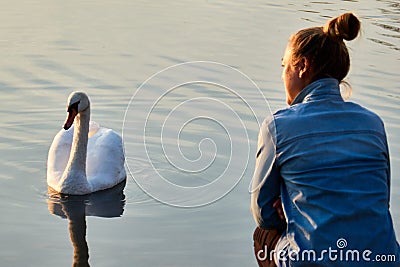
324	46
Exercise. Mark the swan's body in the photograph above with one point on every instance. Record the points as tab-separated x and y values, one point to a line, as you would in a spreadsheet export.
84	158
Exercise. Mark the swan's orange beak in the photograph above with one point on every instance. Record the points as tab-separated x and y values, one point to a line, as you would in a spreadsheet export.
70	119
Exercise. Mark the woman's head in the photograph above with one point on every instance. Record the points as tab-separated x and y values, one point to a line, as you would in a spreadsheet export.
319	52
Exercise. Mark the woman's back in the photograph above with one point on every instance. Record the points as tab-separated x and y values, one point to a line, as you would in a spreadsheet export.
334	163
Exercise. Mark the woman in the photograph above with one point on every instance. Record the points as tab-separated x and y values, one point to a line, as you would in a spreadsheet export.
321	185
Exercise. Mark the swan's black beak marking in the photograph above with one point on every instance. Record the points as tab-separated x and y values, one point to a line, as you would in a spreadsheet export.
72	112
74	106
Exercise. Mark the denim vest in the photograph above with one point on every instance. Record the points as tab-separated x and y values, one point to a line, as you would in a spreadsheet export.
328	160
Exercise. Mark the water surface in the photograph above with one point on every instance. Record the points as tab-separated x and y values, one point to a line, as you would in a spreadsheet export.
50	48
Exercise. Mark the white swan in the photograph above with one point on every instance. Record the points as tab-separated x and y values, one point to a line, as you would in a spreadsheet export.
85	158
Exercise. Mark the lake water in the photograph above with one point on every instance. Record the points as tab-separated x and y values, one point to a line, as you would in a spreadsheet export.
190	130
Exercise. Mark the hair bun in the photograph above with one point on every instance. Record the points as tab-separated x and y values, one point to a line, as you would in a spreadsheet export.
346	26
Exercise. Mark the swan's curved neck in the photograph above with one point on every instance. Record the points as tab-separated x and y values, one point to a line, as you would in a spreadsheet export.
74	179
77	160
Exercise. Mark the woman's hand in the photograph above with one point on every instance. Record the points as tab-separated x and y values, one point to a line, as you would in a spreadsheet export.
278	206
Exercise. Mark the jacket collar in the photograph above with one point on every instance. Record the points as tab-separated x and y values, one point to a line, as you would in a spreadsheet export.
319	89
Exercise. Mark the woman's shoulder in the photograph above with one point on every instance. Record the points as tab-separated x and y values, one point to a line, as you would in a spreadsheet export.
315	115
343	107
363	112
289	112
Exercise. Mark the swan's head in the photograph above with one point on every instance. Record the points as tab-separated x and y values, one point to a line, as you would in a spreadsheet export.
77	102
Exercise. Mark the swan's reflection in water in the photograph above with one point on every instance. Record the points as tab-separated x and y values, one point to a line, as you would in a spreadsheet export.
108	203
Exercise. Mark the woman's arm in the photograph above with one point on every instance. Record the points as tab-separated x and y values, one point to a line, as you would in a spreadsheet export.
266	182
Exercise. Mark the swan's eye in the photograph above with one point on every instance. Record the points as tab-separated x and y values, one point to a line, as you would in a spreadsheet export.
73	106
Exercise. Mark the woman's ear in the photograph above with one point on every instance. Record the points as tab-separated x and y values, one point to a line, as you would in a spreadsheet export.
304	68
